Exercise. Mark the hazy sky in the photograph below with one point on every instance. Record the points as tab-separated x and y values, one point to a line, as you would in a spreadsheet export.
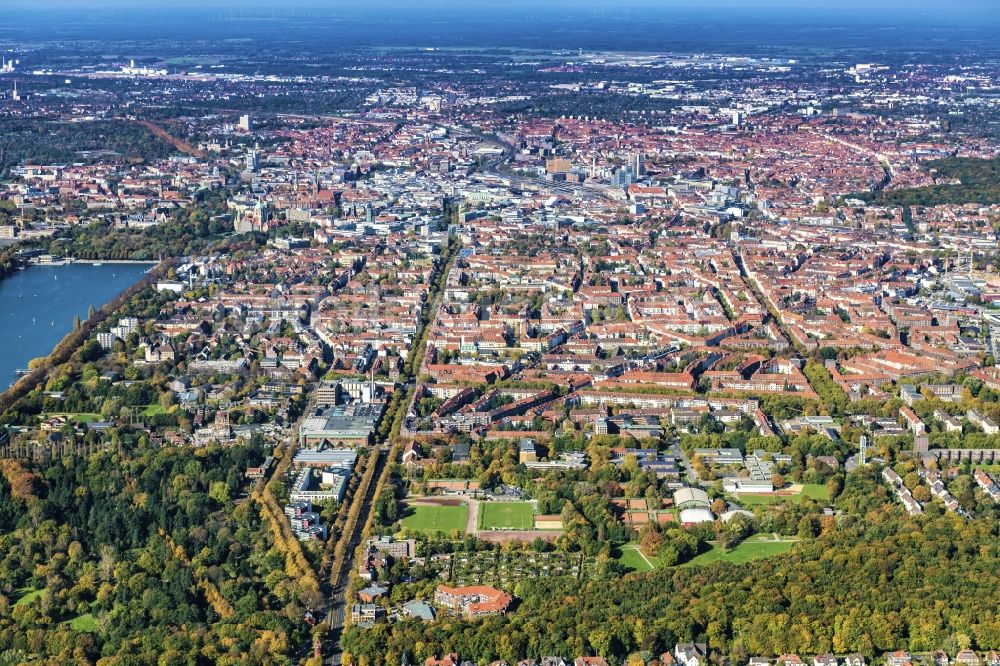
959	13
937	6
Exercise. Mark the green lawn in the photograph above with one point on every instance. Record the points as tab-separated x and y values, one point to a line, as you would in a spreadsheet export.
28	595
816	491
428	518
80	417
751	549
85	622
749	500
153	410
632	559
506	516
754	548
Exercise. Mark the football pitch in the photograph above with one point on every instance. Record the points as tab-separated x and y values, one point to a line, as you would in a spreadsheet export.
506	516
436	518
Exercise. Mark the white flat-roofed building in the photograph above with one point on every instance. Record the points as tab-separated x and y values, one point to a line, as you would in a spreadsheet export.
721	456
741	485
326	458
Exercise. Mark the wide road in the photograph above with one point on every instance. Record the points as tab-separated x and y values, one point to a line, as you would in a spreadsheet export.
366	493
338	601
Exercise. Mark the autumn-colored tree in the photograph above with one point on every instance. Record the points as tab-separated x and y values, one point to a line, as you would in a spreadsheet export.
651	540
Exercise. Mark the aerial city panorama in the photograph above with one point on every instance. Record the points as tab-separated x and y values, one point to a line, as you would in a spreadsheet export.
550	333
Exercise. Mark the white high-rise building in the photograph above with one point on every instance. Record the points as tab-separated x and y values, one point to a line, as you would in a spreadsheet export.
639	165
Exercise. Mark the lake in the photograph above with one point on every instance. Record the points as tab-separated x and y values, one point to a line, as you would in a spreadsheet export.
38	304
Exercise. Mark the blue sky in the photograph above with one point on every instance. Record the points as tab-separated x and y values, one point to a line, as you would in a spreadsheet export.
902	5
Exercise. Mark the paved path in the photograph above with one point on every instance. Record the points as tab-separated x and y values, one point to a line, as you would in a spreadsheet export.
502	536
472	517
644	558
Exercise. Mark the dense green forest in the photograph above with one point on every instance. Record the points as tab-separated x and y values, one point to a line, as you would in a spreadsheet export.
980	183
50	142
145	556
872	580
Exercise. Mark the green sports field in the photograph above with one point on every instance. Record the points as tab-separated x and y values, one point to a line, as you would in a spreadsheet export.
506	516
436	518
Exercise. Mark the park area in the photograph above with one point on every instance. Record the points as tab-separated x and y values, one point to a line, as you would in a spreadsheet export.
756	547
633	559
506	516
436	515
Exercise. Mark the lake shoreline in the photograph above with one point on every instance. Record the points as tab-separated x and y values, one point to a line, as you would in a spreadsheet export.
38	306
91	262
69	343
